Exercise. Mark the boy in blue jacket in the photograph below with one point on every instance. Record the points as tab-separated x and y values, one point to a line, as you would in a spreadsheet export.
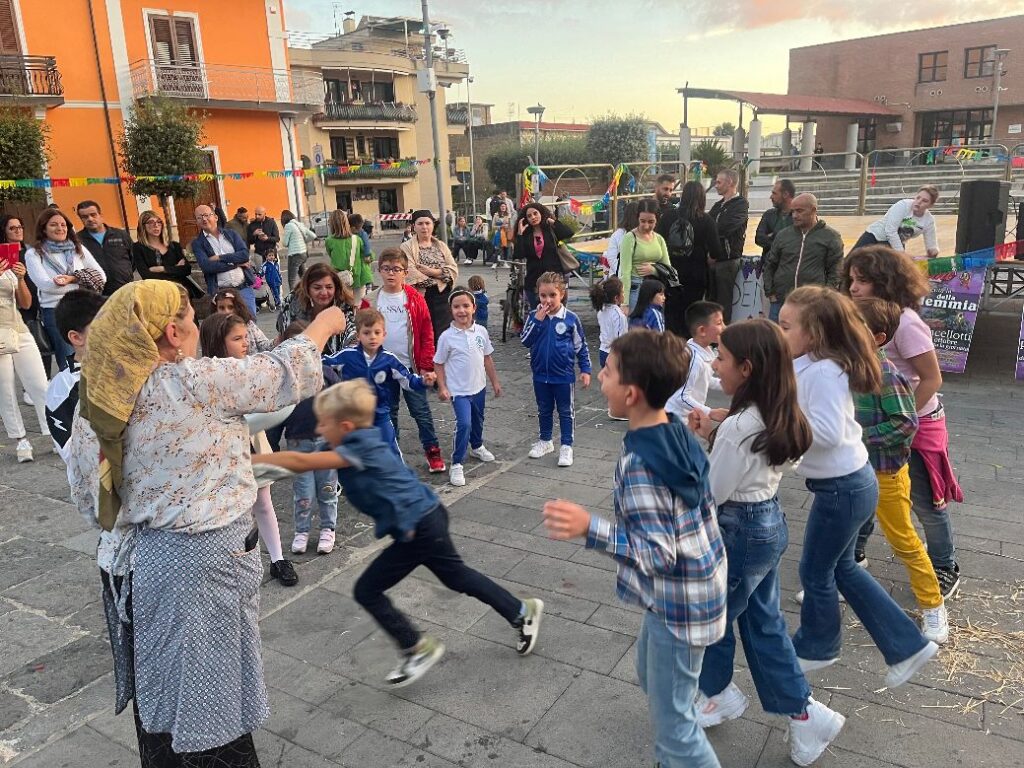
382	369
378	484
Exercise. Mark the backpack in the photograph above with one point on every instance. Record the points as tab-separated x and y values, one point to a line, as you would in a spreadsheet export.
680	240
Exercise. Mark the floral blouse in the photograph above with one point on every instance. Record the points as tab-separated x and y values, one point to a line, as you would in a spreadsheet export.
186	447
258	341
432	256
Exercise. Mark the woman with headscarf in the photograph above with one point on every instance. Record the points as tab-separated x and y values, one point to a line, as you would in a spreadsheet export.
175	447
432	270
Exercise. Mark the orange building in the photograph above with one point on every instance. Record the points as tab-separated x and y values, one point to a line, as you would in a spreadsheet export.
83	64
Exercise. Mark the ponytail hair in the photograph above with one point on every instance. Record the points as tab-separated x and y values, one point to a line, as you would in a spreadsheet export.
605	292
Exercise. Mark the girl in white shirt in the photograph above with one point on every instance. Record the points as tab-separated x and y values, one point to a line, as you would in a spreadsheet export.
606	297
833	353
763	434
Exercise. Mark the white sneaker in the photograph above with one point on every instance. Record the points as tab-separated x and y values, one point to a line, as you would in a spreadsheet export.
456	476
26	398
467	262
809	738
900	673
717	709
541	448
935	624
810	665
482	453
412	667
799	597
24	450
565	456
326	543
299	543
494	266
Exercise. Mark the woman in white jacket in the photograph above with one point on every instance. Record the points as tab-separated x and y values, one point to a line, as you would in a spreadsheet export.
906	219
58	264
295	240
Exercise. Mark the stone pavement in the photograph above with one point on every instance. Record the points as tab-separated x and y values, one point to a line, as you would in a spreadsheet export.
575	701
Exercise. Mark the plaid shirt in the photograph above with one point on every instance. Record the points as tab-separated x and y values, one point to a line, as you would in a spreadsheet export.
889	419
671	558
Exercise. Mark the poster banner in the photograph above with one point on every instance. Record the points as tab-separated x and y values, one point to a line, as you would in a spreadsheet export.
951	311
1020	350
748	299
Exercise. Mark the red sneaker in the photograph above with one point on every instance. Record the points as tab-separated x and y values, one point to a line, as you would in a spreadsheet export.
434	460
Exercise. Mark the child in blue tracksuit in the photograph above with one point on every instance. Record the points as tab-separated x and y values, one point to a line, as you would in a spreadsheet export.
379	485
649	310
367	360
272	274
476	285
557	343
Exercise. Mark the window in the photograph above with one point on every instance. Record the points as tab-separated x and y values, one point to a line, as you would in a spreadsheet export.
374	93
387	201
931	67
385	147
343	199
339	148
173	41
956	128
867	132
9	43
978	61
336	91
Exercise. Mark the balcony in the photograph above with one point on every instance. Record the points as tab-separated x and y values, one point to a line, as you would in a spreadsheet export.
457	114
228	87
366	171
35	79
379	112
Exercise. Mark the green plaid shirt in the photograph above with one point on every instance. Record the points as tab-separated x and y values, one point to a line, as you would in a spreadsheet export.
889	419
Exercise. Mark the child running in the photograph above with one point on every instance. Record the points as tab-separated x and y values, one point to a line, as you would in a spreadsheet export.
606	298
227	301
381	369
463	365
299	430
378	484
649	311
834	356
225	335
557	344
479	289
889	421
671	560
705	321
763	434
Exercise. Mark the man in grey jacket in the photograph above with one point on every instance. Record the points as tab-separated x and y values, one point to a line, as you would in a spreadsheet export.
808	253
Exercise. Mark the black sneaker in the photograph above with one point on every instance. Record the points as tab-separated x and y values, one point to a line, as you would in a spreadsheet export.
284	572
949	580
529	626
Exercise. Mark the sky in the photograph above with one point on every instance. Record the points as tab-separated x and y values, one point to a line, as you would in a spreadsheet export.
586	58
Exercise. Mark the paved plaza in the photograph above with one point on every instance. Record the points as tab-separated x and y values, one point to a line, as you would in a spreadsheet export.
575	701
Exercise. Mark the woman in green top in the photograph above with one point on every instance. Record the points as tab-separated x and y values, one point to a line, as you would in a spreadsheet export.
641	249
345	251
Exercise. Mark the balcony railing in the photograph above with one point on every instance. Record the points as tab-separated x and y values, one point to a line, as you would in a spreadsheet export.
30	76
222	83
387	111
333	172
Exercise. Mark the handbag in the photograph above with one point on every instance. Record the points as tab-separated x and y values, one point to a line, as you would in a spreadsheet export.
569	261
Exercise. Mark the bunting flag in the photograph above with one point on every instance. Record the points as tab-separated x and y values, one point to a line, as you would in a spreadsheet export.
286	173
980	259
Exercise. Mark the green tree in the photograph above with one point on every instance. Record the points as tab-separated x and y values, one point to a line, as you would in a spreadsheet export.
162	138
507	160
24	151
613	139
711	153
724	129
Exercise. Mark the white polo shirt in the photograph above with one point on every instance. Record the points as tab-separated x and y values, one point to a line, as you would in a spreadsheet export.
462	353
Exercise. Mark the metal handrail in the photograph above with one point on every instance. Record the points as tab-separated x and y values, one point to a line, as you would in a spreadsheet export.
223	82
30	76
402	113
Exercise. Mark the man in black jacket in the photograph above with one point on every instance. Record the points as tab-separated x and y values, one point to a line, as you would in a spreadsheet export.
730	214
112	248
263	234
777	217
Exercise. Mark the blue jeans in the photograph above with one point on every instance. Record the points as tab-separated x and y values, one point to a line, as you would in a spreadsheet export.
246	294
62	350
668	669
321	483
773	310
548	397
532	300
469	423
841	506
755	536
634	290
419	409
938	529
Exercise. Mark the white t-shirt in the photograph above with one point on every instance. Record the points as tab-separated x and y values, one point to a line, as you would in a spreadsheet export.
462	353
613	323
694	393
900	225
394	307
737	472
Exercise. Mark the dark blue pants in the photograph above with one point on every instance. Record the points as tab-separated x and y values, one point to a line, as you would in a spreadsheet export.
602	356
382	421
469	423
419	409
62	350
550	396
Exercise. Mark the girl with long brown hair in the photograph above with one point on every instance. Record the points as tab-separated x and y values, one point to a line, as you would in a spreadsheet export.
764	433
833	355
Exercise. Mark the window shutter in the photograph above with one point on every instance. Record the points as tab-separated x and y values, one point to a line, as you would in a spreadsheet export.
9	44
185	43
163	42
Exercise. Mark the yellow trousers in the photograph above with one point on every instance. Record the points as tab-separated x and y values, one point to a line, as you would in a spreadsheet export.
894	518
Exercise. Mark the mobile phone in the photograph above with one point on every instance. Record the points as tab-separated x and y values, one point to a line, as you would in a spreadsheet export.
9	253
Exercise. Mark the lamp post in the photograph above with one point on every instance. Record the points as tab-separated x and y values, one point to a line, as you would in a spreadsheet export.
538	112
429	86
472	157
998	67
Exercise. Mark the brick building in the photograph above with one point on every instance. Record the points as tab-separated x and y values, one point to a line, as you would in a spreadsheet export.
939	82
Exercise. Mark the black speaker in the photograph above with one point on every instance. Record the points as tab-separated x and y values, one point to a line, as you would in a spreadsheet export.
981	222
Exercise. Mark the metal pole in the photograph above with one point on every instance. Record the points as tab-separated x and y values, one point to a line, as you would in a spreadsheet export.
432	95
472	157
536	141
999	79
288	125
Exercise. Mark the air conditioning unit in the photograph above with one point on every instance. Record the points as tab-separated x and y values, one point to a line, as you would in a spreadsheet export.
893	127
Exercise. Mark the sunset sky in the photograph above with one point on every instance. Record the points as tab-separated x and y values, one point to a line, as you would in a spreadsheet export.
583	59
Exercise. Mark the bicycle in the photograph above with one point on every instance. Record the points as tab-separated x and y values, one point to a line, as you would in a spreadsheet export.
513	306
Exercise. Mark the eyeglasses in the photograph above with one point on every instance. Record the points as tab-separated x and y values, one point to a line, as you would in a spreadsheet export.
391	270
206	216
15	227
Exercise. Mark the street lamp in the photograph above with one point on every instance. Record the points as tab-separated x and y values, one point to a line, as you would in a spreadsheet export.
538	112
472	157
1000	55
